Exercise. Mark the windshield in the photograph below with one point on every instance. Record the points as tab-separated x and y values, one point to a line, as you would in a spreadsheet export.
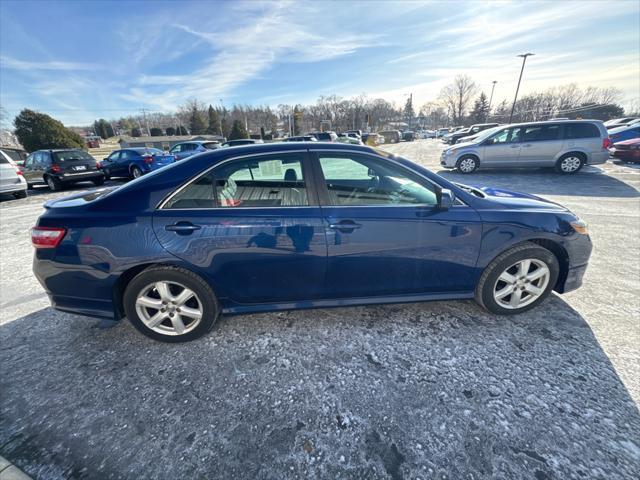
486	134
72	155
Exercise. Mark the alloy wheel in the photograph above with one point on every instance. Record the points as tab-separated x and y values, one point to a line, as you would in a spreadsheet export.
136	173
467	165
169	308
570	164
521	284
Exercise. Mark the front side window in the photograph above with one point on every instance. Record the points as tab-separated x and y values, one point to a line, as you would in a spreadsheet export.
580	130
264	181
541	133
508	135
176	149
358	180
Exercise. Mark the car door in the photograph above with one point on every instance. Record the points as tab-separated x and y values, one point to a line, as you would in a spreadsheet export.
386	235
502	149
110	164
540	145
30	171
252	225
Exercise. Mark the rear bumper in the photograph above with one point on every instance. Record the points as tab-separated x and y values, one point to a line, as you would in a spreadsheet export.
598	158
80	177
13	187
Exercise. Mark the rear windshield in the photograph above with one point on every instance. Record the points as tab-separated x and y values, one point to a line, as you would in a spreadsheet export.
72	155
150	151
210	145
323	136
3	160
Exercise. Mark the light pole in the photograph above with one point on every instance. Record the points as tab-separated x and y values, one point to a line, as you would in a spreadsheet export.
493	87
524	60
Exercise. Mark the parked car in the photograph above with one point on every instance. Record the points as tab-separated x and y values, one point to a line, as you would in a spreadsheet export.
627	150
17	155
354	133
625	133
135	162
408	136
391	136
472	130
11	178
301	138
372	139
441	132
471	138
325	136
238	230
463	132
566	145
61	167
345	138
620	122
241	141
185	149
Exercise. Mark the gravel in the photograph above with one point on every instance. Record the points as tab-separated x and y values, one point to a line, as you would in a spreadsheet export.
426	390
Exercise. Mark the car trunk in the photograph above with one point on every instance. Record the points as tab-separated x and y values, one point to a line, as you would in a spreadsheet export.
162	159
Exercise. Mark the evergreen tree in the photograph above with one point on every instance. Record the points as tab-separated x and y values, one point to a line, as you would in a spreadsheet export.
297	118
480	110
409	113
156	132
36	131
181	130
197	125
170	131
238	131
214	121
135	132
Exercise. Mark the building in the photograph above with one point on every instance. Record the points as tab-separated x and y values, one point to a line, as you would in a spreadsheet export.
164	143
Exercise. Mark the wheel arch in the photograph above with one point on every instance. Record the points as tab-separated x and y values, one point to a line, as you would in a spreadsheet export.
574	151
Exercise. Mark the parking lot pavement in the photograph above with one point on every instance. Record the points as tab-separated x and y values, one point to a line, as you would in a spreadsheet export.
427	390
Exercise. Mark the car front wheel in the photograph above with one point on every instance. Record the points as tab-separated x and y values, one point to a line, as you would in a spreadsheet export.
467	164
170	304
518	279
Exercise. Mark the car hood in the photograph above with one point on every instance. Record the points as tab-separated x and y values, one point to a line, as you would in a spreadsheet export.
461	145
513	200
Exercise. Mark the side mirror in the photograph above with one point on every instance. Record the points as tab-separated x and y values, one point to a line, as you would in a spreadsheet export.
447	199
371	172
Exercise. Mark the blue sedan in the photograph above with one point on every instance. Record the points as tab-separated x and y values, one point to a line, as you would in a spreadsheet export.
135	162
298	225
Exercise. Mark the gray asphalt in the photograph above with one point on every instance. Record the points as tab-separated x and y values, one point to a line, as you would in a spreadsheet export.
428	390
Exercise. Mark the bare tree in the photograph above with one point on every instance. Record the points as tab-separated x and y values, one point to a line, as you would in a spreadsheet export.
457	96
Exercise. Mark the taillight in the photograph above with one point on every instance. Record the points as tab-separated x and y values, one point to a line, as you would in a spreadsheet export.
147	159
47	237
606	143
56	169
18	171
98	165
175	158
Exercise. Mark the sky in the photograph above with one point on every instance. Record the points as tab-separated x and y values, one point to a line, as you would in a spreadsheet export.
81	60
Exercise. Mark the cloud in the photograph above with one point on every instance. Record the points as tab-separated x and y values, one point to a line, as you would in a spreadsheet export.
15	64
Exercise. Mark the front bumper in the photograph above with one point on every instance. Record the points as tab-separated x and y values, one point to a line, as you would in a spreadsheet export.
574	279
447	161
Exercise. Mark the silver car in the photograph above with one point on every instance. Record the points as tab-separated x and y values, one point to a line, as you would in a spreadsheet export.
566	145
11	179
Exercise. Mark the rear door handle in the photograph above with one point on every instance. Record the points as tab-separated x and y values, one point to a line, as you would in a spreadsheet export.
182	228
526	145
515	146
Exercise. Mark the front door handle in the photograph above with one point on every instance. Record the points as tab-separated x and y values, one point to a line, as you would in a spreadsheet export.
182	228
345	226
526	145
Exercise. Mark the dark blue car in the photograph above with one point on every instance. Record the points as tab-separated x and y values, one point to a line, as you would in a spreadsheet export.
298	225
135	162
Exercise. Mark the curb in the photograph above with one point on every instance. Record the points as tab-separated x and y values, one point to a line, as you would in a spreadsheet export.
9	471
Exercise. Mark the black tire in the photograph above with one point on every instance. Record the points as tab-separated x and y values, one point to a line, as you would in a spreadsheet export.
570	163
204	293
107	175
54	184
467	164
98	181
29	186
136	172
484	293
20	194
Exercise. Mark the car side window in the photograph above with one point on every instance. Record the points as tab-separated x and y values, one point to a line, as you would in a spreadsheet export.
360	180
580	130
187	147
125	156
508	135
113	157
30	161
541	133
176	149
275	180
45	159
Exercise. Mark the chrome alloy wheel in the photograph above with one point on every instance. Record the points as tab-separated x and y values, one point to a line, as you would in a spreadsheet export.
169	308
570	164
467	165
521	284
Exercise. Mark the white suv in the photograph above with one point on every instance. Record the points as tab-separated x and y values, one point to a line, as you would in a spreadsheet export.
11	179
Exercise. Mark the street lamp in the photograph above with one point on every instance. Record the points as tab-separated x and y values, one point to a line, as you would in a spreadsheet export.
493	87
524	59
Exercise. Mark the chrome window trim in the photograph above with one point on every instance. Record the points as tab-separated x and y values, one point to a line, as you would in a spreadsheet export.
163	202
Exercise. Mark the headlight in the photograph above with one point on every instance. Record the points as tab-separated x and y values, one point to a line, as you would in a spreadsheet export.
580	226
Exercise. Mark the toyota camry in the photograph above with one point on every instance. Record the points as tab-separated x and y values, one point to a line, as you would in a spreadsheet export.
298	225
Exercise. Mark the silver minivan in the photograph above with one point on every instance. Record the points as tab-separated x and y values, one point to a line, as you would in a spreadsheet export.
566	145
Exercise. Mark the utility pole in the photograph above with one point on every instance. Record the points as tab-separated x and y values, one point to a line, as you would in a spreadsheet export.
524	60
144	114
221	117
492	89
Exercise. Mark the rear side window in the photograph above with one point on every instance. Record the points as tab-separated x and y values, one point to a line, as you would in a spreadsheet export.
541	133
265	181
580	130
3	160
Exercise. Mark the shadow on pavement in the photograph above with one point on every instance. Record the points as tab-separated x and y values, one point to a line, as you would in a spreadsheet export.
591	182
399	391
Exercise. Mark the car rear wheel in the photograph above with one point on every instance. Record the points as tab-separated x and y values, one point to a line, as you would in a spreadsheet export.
569	163
518	279
136	172
170	304
467	164
98	181
53	183
20	194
